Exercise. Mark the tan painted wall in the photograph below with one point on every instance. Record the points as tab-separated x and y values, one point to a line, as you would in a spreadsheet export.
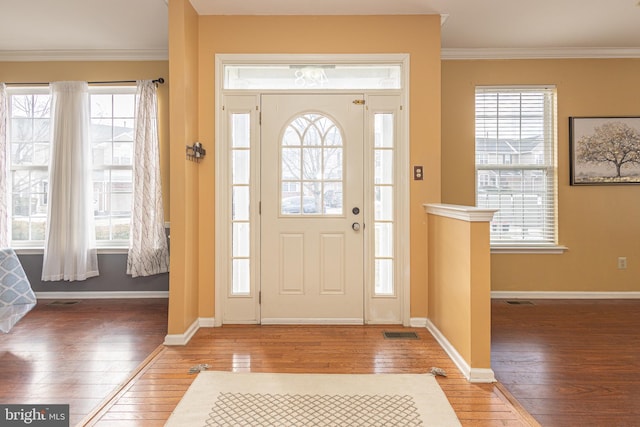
183	61
417	35
596	223
460	286
26	72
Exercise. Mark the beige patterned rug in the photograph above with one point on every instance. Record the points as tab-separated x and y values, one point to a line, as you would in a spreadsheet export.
252	399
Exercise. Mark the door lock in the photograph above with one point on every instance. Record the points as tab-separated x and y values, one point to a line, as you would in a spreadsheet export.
355	210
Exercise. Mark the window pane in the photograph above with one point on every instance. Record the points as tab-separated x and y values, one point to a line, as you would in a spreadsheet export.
333	198
102	153
123	153
384	204
384	167
101	130
241	284
333	163
21	153
120	227
121	203
384	132
38	225
240	203
124	105
311	76
291	163
384	239
240	130
101	105
384	277
241	239
241	166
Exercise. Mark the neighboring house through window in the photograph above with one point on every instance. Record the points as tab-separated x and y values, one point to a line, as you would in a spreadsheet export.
112	129
516	163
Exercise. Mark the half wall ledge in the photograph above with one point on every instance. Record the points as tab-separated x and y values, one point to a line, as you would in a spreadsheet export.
464	213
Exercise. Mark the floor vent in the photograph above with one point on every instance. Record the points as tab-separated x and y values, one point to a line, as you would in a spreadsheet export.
64	302
520	302
400	335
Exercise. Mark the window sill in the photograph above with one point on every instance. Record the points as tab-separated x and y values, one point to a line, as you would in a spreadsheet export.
117	250
528	249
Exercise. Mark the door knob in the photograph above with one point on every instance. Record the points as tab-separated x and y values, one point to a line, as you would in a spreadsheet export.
355	226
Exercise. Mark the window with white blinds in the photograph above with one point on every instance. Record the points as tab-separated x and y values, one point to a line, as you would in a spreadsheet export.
516	163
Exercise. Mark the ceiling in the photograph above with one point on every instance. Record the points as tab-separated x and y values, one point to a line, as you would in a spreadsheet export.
72	29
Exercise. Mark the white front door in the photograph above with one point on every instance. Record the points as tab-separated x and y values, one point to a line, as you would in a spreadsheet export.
312	239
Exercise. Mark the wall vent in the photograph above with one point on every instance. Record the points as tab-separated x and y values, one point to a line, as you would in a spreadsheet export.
520	302
64	302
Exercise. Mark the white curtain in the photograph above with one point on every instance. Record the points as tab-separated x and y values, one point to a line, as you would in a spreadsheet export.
4	169
148	249
69	248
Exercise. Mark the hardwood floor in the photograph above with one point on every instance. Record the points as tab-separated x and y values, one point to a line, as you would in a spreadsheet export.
151	396
570	363
567	362
78	354
105	359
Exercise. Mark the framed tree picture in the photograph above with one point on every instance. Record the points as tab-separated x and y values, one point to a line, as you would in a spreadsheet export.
604	150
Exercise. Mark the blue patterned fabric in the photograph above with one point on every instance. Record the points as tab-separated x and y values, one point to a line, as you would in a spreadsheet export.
16	296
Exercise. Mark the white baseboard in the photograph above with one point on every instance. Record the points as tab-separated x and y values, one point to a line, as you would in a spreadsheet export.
418	322
563	295
183	339
473	375
207	322
102	295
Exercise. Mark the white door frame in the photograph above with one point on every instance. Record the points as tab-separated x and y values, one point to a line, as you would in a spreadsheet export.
402	164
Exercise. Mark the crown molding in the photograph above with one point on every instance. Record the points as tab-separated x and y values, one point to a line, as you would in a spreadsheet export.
84	55
539	53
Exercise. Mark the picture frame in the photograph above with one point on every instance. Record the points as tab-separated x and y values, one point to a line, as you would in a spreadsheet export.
604	150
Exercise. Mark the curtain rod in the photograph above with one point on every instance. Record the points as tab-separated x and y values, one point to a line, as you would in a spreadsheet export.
159	80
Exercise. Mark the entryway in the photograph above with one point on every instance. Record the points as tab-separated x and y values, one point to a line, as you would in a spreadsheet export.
311	191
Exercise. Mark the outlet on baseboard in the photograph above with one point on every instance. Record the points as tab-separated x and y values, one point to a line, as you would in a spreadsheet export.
622	263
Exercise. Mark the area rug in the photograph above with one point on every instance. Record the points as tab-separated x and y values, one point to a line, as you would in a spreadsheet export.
257	399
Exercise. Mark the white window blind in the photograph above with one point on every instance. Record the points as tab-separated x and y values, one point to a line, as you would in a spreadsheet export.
516	163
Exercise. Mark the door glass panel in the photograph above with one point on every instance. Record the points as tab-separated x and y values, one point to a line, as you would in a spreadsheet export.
384	180
240	203
311	160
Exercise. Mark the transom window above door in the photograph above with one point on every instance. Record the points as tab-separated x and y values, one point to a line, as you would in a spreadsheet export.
312	76
311	167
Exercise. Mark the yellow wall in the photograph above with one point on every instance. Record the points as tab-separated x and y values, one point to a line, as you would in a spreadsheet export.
417	35
26	72
596	223
183	61
459	286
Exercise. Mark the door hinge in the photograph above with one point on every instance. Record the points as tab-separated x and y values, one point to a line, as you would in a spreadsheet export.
259	208
260	118
358	101
260	297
